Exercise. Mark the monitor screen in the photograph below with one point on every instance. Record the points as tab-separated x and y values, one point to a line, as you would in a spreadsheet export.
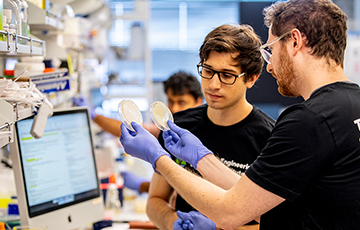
58	170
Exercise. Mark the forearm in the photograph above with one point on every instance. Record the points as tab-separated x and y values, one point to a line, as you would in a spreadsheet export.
201	194
160	213
144	187
229	209
213	170
109	125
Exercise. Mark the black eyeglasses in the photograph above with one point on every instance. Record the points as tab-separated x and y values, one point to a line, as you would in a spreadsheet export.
208	73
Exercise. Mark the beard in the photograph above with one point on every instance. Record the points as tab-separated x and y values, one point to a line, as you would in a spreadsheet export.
286	76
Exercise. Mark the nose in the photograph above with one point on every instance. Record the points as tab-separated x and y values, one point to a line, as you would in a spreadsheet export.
215	82
175	108
269	68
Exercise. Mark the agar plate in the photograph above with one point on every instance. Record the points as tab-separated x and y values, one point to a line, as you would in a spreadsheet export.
129	112
160	114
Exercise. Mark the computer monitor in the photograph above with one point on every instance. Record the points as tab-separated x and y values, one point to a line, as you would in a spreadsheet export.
55	176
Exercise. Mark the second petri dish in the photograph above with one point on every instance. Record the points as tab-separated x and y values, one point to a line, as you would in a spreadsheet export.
129	112
160	114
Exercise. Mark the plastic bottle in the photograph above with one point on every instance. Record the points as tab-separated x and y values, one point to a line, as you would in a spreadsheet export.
112	201
18	16
13	208
24	12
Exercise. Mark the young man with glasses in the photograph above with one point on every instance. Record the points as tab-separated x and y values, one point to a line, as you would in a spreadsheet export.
308	174
235	130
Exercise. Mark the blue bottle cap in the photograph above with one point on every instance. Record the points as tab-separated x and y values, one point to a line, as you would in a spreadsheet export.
13	209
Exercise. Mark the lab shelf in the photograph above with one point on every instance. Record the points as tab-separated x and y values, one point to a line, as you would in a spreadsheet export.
14	48
14	45
10	113
44	20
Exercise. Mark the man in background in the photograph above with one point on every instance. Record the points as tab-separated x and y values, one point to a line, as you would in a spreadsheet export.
183	91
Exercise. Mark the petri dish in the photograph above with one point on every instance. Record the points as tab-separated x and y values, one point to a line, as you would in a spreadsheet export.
129	112
160	114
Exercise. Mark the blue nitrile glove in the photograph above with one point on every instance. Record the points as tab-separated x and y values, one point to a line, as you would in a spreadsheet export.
133	181
141	144
197	221
83	101
179	224
184	145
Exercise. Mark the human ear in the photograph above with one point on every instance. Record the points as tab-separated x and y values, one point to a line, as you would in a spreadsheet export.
251	82
297	41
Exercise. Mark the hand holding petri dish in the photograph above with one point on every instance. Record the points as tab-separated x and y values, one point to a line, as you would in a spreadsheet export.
129	112
160	114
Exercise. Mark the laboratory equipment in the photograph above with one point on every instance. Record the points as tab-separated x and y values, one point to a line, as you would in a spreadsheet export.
24	12
160	114
13	207
112	201
129	112
12	14
9	25
56	177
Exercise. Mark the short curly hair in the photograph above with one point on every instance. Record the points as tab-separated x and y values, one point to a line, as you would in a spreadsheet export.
182	83
322	22
239	39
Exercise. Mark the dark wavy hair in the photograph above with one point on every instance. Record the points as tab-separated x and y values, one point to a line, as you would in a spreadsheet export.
322	22
239	39
182	83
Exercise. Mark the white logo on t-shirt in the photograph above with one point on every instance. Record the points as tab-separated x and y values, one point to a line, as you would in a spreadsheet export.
357	122
236	167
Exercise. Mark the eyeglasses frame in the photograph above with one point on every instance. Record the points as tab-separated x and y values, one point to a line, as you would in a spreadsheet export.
264	52
218	74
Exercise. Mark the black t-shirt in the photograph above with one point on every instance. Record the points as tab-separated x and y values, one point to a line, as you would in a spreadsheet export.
312	160
237	145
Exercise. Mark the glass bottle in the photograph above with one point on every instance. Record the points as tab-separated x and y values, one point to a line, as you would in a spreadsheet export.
5	24
13	18
9	26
